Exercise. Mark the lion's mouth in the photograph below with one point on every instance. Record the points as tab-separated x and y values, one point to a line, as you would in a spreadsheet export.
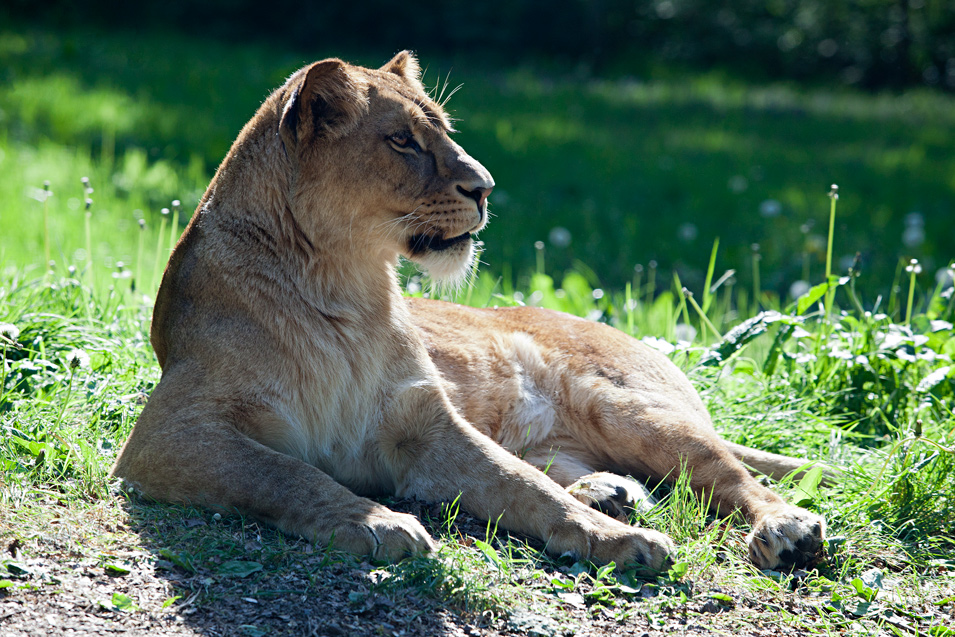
421	243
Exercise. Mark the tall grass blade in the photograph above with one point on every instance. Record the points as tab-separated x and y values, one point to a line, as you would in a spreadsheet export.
709	276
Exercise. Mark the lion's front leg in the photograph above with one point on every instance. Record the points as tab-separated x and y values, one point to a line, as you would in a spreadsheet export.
435	455
180	451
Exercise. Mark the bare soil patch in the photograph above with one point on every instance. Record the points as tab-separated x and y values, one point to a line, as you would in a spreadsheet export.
121	567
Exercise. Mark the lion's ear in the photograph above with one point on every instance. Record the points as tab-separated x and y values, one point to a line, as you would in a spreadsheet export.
326	103
405	65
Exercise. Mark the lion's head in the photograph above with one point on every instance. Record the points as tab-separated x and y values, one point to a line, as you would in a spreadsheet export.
373	167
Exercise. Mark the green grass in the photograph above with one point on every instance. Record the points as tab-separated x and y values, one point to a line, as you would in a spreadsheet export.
866	385
637	170
857	391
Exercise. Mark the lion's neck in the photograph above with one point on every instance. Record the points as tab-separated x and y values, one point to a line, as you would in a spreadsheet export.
275	235
354	290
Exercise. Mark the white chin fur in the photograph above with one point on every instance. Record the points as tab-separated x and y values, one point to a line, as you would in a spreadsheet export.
451	267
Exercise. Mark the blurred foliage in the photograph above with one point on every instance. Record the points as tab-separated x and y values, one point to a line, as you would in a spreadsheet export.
870	43
614	173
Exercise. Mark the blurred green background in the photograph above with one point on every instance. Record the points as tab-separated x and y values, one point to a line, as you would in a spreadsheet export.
624	136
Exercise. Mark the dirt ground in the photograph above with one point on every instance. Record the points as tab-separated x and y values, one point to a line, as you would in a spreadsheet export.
110	573
73	598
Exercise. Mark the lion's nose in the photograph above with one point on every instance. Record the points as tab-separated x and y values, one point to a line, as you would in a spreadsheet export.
479	195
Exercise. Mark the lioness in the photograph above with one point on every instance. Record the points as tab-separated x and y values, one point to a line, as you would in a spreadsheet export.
295	375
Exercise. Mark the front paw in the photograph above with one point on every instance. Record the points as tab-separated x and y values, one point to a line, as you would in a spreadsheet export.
786	537
612	494
382	534
643	548
602	540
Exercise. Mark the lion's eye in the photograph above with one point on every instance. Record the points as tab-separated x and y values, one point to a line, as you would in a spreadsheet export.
404	141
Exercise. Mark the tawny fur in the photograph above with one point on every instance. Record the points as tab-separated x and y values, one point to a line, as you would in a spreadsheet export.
296	379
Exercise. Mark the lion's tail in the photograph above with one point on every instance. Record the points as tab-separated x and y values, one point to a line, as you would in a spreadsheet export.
777	466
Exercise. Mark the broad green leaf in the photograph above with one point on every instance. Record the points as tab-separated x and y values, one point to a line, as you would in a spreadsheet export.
873	579
745	332
606	570
116	569
578	569
169	601
808	488
179	559
811	297
123	602
239	568
868	584
599	593
862	608
14	567
678	570
489	552
561	582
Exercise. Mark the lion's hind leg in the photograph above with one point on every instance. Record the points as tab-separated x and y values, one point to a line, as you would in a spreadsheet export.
663	442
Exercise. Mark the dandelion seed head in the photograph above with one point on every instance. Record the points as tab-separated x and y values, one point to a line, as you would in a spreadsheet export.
77	358
770	208
687	232
798	288
559	237
913	236
684	333
9	331
737	184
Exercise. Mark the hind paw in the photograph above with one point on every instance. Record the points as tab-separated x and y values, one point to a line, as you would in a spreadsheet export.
611	494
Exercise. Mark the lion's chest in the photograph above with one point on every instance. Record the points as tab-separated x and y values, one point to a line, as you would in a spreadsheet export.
340	393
